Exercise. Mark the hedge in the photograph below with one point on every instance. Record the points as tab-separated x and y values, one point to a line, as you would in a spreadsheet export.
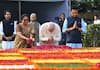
92	37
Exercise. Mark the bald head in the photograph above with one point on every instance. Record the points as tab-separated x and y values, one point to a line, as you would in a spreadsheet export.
51	26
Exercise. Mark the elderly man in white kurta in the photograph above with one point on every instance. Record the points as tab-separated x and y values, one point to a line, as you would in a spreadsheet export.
50	33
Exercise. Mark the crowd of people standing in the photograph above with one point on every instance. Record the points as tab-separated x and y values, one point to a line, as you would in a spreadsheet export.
28	32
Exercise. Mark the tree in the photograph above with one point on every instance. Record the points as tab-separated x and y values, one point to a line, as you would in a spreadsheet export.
87	5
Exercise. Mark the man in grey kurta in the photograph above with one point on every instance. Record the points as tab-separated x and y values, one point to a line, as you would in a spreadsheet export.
35	25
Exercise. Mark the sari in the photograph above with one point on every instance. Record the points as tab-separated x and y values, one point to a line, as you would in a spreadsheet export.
27	32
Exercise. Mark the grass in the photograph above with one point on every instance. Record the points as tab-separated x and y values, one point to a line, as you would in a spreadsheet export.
73	65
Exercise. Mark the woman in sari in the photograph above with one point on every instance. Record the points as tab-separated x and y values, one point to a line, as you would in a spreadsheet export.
24	34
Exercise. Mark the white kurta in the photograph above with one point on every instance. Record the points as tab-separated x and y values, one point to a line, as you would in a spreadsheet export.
44	34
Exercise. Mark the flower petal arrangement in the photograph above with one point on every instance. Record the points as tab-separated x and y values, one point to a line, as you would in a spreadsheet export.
50	57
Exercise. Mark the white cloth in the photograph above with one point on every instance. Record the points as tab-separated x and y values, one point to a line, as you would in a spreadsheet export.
44	34
97	21
7	44
74	45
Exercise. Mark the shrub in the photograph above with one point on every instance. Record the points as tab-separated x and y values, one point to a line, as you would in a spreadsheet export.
92	37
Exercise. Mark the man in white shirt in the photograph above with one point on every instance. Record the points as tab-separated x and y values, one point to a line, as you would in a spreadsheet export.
50	33
8	31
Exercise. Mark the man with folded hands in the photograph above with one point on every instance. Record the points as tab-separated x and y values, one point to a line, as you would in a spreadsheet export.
50	33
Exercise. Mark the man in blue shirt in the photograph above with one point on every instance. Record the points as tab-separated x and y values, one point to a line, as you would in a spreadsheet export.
73	26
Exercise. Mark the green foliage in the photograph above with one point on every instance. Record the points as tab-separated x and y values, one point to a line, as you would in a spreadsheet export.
87	5
92	36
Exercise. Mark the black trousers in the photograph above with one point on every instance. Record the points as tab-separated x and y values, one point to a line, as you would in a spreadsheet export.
63	39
